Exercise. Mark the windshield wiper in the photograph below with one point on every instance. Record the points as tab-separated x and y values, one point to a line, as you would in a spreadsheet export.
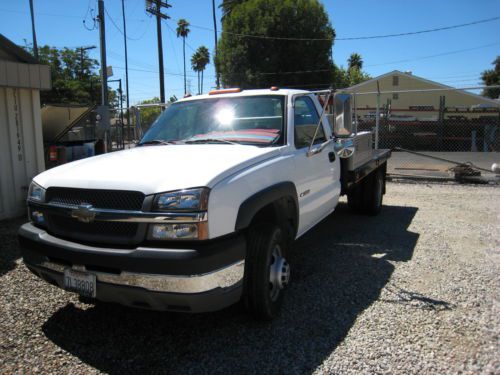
156	142
208	140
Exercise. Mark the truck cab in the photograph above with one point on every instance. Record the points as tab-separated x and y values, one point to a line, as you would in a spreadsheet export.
202	212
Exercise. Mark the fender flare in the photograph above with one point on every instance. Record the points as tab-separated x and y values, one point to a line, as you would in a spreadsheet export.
256	202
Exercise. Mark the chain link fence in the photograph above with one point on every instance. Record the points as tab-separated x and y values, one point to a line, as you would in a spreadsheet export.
433	133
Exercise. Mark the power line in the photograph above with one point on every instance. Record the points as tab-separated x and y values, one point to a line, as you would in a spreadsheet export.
436	55
353	38
58	15
422	31
120	30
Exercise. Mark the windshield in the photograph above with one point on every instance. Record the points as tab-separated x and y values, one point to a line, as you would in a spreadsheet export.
256	120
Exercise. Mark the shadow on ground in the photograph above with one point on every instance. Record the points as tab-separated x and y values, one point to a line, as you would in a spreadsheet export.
9	247
339	269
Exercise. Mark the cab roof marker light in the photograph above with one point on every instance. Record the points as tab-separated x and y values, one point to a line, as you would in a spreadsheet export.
274	88
225	91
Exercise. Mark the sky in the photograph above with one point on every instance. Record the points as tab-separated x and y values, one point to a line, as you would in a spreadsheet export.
453	57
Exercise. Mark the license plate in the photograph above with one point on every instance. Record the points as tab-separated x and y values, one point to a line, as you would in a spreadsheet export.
82	283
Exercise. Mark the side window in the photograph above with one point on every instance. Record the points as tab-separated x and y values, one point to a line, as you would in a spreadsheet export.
305	121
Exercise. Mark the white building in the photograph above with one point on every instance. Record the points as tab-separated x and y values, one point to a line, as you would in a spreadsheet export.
21	141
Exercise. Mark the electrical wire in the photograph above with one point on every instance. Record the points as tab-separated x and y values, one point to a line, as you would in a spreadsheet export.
436	55
120	30
353	38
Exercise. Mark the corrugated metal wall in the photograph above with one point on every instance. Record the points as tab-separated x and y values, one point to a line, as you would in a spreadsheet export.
21	147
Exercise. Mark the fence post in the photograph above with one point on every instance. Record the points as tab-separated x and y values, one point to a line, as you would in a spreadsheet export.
355	114
377	117
137	122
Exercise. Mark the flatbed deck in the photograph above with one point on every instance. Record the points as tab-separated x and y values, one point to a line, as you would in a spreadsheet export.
351	178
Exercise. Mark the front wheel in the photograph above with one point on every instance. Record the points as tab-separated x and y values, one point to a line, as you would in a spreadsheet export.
267	271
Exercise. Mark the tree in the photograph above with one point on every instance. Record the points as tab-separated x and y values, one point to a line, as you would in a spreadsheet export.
228	6
492	77
196	66
204	56
149	114
183	31
74	80
355	61
343	78
250	61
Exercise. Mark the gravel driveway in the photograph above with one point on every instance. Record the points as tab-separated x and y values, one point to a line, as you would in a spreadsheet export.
414	290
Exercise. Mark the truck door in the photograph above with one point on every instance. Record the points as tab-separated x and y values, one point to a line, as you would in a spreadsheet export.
317	176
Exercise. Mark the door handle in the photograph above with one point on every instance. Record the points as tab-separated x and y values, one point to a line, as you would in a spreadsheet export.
331	156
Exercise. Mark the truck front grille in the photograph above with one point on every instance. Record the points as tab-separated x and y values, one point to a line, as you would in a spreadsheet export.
112	199
97	231
105	232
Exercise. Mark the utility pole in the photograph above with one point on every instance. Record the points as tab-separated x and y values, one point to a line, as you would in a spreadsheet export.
104	66
82	57
126	65
217	76
35	46
103	111
156	10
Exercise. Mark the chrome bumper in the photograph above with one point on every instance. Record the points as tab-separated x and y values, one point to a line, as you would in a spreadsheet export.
224	278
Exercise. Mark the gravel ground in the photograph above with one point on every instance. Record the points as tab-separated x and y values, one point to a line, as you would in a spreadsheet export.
413	291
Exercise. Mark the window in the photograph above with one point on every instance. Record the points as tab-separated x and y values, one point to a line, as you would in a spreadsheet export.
305	121
395	80
395	96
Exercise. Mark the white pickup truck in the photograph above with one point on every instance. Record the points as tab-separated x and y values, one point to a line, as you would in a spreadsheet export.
202	212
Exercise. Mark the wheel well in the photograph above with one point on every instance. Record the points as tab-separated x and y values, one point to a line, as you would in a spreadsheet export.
281	210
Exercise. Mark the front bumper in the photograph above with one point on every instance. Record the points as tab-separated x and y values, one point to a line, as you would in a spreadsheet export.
205	278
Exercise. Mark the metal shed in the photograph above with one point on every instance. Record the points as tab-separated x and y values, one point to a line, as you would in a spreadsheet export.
21	140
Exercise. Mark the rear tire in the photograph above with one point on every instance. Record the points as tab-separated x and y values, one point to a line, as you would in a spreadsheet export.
373	193
266	271
355	198
367	196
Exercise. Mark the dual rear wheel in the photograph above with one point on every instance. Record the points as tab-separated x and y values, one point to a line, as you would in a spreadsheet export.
366	197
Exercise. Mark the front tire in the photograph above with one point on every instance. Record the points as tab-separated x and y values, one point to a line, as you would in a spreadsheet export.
267	272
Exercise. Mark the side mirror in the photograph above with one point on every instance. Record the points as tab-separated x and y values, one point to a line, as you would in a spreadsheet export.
343	125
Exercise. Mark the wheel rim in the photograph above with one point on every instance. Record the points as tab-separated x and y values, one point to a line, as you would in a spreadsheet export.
279	273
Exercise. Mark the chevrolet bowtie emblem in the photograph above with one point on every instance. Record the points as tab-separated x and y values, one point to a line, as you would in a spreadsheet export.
83	213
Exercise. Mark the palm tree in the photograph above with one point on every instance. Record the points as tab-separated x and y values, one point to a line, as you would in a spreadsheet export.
196	66
183	31
355	61
204	60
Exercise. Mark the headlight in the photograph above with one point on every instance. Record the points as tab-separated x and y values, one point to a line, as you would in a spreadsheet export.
182	200
36	192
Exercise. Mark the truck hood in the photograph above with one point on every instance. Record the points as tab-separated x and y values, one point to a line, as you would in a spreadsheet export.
155	169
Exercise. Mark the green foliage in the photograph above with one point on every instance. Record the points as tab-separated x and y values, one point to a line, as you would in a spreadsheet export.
182	32
228	5
199	62
74	80
254	62
355	61
343	78
149	114
492	77
182	28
